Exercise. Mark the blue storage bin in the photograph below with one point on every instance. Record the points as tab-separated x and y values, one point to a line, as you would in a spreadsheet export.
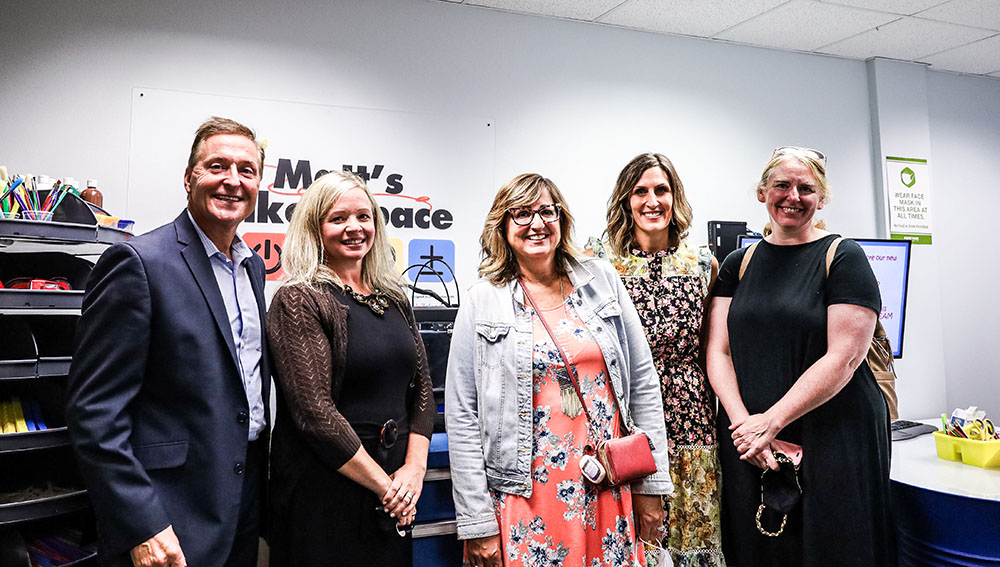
437	457
443	550
436	501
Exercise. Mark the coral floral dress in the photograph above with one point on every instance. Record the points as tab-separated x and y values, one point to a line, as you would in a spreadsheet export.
565	522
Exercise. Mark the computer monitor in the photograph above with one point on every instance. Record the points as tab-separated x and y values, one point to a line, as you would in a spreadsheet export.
890	260
722	237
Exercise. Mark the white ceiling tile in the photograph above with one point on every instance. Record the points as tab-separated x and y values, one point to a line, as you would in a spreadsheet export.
980	57
702	18
976	13
909	39
571	9
901	7
805	25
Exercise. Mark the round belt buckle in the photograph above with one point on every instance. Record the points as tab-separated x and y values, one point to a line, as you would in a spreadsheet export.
390	432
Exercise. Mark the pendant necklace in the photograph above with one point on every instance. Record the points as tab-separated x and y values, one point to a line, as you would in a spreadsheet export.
568	398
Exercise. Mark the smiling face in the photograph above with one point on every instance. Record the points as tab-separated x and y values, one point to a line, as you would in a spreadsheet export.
348	229
535	242
792	197
651	204
222	185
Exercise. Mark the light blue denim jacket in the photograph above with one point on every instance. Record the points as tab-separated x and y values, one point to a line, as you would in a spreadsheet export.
488	390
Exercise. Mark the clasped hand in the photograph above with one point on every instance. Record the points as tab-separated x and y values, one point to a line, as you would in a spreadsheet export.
400	499
752	437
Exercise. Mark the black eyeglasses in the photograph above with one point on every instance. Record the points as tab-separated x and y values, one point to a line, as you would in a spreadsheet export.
525	215
793	150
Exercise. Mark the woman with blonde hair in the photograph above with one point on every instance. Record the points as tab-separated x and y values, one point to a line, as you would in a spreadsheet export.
805	429
669	281
520	424
355	412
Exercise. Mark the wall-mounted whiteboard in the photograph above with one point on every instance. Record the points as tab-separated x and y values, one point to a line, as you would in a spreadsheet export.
430	173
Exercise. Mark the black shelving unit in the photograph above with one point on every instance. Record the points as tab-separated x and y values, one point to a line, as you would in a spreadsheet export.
434	540
40	487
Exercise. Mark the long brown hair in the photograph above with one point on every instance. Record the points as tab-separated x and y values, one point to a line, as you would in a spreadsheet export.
621	225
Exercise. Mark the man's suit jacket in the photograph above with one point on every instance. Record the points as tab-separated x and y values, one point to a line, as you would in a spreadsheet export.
155	403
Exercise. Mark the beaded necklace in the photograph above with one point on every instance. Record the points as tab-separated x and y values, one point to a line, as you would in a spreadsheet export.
376	301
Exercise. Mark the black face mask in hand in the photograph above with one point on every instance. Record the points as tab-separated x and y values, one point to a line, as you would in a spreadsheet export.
779	490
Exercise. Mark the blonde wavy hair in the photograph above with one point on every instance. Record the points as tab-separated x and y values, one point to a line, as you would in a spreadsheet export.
304	256
499	265
621	225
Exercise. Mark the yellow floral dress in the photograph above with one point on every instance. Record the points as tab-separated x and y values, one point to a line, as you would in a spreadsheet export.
669	289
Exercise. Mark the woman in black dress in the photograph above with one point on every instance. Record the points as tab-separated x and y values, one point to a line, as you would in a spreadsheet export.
786	356
355	411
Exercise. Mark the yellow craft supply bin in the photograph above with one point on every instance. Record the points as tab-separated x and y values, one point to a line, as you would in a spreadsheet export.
984	454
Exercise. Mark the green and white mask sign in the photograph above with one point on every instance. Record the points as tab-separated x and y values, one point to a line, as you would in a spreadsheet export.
907	189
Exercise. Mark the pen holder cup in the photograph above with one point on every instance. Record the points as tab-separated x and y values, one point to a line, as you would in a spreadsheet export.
28	214
984	454
107	220
9	215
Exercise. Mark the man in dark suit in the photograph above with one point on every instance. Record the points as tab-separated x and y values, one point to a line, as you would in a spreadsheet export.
167	393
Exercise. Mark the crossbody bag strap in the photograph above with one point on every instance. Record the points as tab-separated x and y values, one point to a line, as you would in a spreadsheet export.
623	413
746	259
562	354
831	252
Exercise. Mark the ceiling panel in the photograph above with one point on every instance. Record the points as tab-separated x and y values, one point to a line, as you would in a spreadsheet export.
702	18
901	7
980	57
949	34
805	25
976	13
909	39
571	9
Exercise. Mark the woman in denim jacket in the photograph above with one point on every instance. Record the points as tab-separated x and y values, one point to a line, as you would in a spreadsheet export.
515	423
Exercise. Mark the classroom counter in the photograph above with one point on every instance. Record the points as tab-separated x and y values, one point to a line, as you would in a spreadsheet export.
946	512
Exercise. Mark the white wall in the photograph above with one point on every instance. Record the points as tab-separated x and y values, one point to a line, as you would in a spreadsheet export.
965	140
898	93
573	101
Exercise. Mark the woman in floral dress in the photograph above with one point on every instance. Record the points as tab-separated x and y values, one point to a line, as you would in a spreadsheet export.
516	426
648	217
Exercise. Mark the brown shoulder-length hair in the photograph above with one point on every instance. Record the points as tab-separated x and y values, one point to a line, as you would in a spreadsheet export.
498	263
621	226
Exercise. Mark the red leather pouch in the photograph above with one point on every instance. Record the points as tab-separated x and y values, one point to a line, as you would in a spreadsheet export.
626	458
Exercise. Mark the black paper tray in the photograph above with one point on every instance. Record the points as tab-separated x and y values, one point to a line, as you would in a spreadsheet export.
40	299
28	440
43	507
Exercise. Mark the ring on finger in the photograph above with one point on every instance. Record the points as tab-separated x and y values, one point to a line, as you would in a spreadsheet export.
408	496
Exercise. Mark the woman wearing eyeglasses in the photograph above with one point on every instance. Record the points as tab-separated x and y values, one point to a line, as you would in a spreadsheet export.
786	357
669	280
355	411
517	428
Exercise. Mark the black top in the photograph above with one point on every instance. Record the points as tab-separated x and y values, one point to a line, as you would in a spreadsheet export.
777	330
380	351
